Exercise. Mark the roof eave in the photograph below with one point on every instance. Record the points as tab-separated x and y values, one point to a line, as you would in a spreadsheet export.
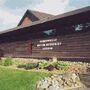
82	10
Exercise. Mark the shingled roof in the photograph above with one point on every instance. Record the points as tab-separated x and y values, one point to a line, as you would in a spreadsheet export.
71	13
34	16
40	15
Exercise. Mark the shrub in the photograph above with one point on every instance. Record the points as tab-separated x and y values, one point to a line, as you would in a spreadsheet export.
31	66
8	61
21	66
50	67
42	65
61	65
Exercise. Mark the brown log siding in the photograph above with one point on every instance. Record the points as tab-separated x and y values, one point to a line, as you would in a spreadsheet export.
73	46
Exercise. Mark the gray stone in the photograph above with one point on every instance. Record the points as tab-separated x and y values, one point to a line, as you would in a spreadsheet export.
60	82
55	88
43	85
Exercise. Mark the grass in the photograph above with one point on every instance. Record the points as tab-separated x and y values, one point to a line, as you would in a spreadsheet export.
11	79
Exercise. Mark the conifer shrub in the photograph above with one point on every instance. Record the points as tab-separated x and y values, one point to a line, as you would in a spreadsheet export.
21	66
31	66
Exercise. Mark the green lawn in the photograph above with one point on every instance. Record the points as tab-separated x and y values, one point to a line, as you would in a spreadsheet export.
11	79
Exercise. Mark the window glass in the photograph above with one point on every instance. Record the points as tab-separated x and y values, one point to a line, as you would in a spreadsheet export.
49	32
79	27
82	27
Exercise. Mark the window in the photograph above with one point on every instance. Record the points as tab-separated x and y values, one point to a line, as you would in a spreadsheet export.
49	32
79	27
82	27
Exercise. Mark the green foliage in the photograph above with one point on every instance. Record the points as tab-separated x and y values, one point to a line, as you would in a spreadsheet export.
46	65
31	66
28	66
42	65
21	66
8	61
61	66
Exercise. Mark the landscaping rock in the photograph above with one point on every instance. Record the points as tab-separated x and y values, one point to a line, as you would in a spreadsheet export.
60	82
88	70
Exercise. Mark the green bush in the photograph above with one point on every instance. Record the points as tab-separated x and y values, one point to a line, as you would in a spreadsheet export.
61	66
46	65
21	66
8	61
31	66
42	65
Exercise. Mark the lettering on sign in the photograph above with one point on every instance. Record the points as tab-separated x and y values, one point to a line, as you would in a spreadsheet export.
48	44
48	40
47	48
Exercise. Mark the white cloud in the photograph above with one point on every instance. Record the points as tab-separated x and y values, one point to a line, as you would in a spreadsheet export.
2	2
10	18
52	6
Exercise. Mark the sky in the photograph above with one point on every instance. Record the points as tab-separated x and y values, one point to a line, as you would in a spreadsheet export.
11	11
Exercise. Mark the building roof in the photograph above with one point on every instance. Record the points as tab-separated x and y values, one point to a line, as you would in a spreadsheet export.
34	16
40	15
71	13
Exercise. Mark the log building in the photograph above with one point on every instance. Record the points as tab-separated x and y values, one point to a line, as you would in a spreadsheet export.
42	35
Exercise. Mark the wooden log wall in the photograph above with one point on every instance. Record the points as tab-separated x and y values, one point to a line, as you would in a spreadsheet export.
68	43
76	45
